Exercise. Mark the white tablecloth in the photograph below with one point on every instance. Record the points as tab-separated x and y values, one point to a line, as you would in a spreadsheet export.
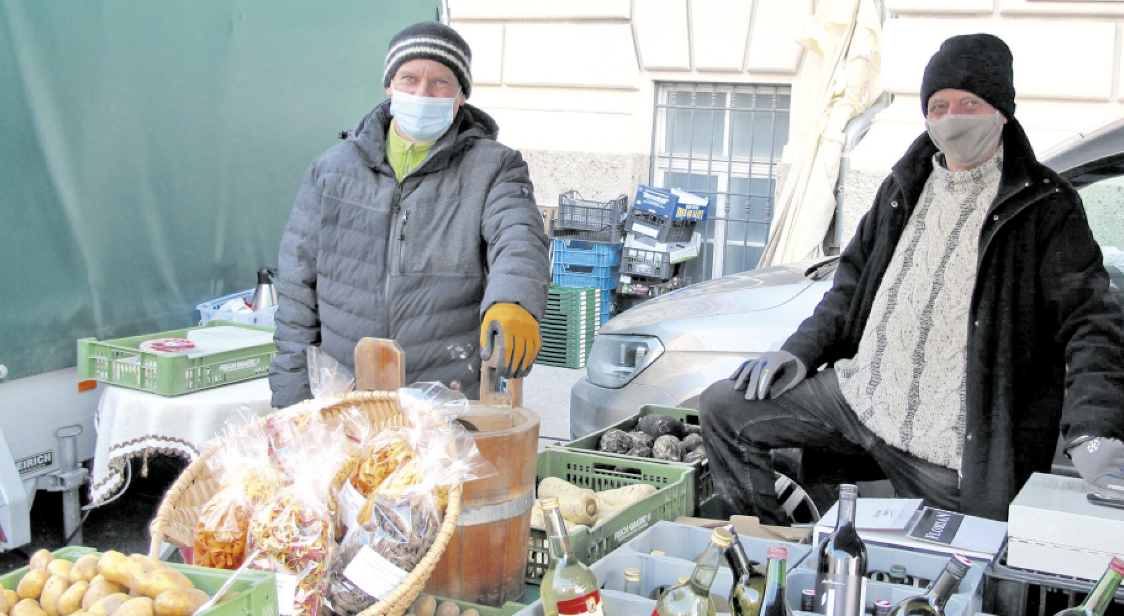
132	423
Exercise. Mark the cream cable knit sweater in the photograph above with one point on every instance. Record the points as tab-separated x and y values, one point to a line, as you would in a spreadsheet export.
906	383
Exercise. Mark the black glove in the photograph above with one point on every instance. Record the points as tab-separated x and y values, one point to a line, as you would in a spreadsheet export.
773	373
1100	461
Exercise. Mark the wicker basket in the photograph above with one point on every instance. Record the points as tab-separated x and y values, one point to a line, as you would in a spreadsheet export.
175	519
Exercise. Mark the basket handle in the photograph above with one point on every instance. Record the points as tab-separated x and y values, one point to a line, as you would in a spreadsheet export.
379	365
490	385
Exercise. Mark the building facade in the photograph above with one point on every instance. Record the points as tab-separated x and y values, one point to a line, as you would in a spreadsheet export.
705	95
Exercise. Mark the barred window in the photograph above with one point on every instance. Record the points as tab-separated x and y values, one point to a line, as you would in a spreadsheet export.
723	141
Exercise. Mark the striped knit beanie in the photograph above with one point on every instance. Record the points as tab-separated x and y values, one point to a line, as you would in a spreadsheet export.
430	40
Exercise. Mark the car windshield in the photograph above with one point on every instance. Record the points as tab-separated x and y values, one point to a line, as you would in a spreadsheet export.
1104	205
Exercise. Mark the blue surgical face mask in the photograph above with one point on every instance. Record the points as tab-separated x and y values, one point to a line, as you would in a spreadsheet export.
422	118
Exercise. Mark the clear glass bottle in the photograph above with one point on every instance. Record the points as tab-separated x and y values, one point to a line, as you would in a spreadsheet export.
632	581
568	587
745	594
932	602
692	598
773	601
898	575
1101	596
841	572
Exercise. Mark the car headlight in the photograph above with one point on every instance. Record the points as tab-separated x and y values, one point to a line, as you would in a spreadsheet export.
616	360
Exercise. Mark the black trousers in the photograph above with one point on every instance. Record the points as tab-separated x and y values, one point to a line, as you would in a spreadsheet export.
740	435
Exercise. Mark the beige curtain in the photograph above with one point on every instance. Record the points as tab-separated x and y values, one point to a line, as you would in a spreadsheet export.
846	38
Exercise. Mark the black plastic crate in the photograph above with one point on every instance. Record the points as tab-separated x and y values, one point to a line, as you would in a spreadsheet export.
1010	591
643	224
646	263
643	287
579	214
612	235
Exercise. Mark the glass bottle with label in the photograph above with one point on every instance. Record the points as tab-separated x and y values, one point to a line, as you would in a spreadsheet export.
568	587
773	600
692	598
841	572
932	602
745	595
1101	596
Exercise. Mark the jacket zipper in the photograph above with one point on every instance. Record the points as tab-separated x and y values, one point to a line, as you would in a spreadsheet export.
402	243
394	205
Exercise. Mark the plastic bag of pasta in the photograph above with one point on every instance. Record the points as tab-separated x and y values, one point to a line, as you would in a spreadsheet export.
246	475
294	529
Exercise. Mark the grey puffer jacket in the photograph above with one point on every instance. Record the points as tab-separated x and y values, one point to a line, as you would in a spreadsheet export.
418	261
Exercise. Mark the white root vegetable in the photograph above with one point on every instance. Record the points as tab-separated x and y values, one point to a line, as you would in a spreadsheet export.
538	521
625	496
578	505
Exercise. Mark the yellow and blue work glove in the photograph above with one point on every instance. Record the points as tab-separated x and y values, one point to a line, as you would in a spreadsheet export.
512	332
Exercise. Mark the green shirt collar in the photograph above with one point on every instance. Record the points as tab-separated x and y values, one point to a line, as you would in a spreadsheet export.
404	156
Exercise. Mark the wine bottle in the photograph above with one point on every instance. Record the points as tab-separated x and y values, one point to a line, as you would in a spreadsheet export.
841	573
932	602
773	601
745	594
692	598
1101	596
632	581
568	587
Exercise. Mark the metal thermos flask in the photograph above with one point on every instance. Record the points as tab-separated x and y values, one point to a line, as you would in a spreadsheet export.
265	295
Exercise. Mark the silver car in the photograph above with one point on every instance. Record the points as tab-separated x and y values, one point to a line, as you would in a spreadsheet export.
667	350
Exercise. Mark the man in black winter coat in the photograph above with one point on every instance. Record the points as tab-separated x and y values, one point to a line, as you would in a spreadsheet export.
970	319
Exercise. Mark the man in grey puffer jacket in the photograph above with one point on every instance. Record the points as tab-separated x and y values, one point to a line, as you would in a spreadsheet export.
419	227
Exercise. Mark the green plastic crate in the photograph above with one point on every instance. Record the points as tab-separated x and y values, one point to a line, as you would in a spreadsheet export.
596	472
704	497
120	362
256	590
509	609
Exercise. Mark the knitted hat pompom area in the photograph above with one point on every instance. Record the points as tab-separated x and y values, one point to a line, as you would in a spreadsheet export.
976	63
430	40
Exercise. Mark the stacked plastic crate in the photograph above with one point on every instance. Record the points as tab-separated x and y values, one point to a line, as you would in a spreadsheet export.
588	236
571	321
660	233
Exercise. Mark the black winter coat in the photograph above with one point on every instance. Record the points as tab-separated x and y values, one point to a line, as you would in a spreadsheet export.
1041	302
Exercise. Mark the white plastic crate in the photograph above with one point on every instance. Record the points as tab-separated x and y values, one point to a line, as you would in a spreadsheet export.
211	311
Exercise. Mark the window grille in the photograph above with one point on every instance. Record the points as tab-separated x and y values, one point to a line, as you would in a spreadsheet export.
723	141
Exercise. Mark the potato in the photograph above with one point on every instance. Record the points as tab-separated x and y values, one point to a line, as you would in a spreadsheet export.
31	584
425	605
84	569
12	598
60	566
52	590
140	606
71	599
99	588
470	612
41	559
117	568
179	601
152	582
448	608
28	607
108	604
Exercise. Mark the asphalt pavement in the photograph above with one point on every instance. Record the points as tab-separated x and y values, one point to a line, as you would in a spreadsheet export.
122	524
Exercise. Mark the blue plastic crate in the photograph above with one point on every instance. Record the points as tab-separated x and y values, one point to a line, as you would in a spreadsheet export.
600	271
576	252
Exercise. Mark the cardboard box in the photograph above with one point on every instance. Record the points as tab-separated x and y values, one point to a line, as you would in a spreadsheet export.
549	213
674	204
751	527
1053	528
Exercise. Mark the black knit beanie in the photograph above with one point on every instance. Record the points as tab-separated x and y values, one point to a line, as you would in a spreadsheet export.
976	63
430	40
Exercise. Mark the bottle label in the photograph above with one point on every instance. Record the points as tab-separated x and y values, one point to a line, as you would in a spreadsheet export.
589	605
841	595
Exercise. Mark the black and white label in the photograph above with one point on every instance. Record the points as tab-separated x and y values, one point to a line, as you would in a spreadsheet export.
39	461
